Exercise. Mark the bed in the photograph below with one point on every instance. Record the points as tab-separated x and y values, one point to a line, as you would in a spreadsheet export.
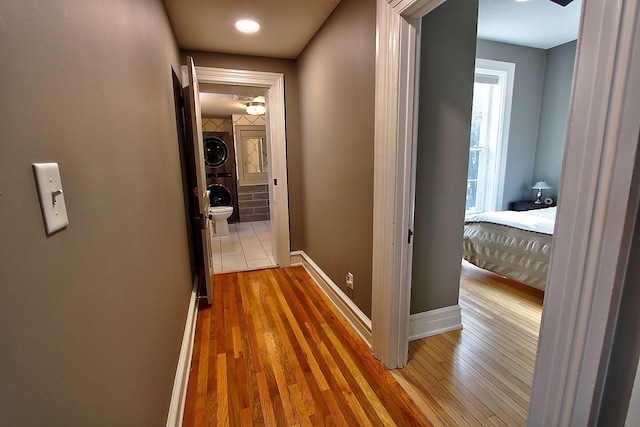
512	244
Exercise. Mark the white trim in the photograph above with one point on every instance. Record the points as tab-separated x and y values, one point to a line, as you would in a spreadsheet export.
242	133
354	316
508	70
445	319
398	29
276	133
179	394
596	213
414	8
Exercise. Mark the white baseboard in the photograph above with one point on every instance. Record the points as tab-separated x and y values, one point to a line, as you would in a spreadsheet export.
435	322
354	316
179	394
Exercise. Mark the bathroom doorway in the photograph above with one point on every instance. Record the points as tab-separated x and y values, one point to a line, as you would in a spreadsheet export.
244	177
253	241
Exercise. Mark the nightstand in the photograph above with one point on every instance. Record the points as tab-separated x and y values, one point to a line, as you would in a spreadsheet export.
527	205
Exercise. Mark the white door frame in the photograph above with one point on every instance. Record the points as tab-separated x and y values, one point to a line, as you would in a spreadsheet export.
596	215
277	149
398	24
597	200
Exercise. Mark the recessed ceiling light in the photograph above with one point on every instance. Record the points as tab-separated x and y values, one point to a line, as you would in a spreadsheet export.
247	26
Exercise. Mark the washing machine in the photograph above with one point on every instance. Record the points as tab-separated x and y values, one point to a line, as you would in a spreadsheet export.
219	195
220	166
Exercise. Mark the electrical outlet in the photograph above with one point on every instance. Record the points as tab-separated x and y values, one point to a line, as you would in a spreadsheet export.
349	280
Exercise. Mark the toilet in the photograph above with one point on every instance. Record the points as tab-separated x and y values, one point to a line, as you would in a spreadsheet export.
219	216
220	209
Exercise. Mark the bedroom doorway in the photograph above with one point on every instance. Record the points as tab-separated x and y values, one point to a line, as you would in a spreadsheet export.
600	168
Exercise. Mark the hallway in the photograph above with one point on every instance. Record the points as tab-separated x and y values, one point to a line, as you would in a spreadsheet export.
272	351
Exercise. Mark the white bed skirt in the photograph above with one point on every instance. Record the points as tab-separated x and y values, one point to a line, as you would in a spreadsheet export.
510	252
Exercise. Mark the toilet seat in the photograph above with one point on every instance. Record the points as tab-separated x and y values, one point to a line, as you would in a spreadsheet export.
220	209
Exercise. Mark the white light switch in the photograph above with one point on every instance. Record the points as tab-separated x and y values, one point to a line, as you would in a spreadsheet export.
51	196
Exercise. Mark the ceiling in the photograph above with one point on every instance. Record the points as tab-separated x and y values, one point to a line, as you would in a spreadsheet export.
221	100
533	23
288	25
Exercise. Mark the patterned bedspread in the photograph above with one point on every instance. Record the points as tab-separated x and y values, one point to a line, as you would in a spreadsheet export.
512	244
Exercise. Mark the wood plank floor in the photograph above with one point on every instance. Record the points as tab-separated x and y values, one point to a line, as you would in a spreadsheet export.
271	351
482	374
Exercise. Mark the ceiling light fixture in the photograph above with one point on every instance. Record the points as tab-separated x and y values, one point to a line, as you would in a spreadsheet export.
247	26
256	108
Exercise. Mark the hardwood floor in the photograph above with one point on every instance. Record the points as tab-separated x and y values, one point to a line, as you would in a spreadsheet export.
482	374
271	351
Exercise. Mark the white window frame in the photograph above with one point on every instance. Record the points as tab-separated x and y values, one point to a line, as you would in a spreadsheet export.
505	71
241	133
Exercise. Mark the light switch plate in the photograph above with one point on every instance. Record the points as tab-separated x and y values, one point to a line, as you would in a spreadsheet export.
54	210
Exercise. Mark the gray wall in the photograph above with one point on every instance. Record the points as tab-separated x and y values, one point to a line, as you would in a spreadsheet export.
446	88
554	113
525	113
336	72
92	317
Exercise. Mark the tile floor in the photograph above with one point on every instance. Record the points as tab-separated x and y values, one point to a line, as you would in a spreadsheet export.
246	247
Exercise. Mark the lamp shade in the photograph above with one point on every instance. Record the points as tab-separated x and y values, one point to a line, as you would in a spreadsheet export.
540	185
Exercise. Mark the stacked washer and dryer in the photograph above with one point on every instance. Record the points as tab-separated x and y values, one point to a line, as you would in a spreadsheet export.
221	179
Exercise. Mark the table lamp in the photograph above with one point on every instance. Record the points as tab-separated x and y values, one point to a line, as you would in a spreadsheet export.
540	185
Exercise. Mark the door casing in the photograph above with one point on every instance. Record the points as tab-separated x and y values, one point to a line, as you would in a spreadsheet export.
598	199
273	83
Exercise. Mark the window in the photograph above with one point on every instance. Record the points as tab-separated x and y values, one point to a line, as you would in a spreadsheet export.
492	91
251	147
